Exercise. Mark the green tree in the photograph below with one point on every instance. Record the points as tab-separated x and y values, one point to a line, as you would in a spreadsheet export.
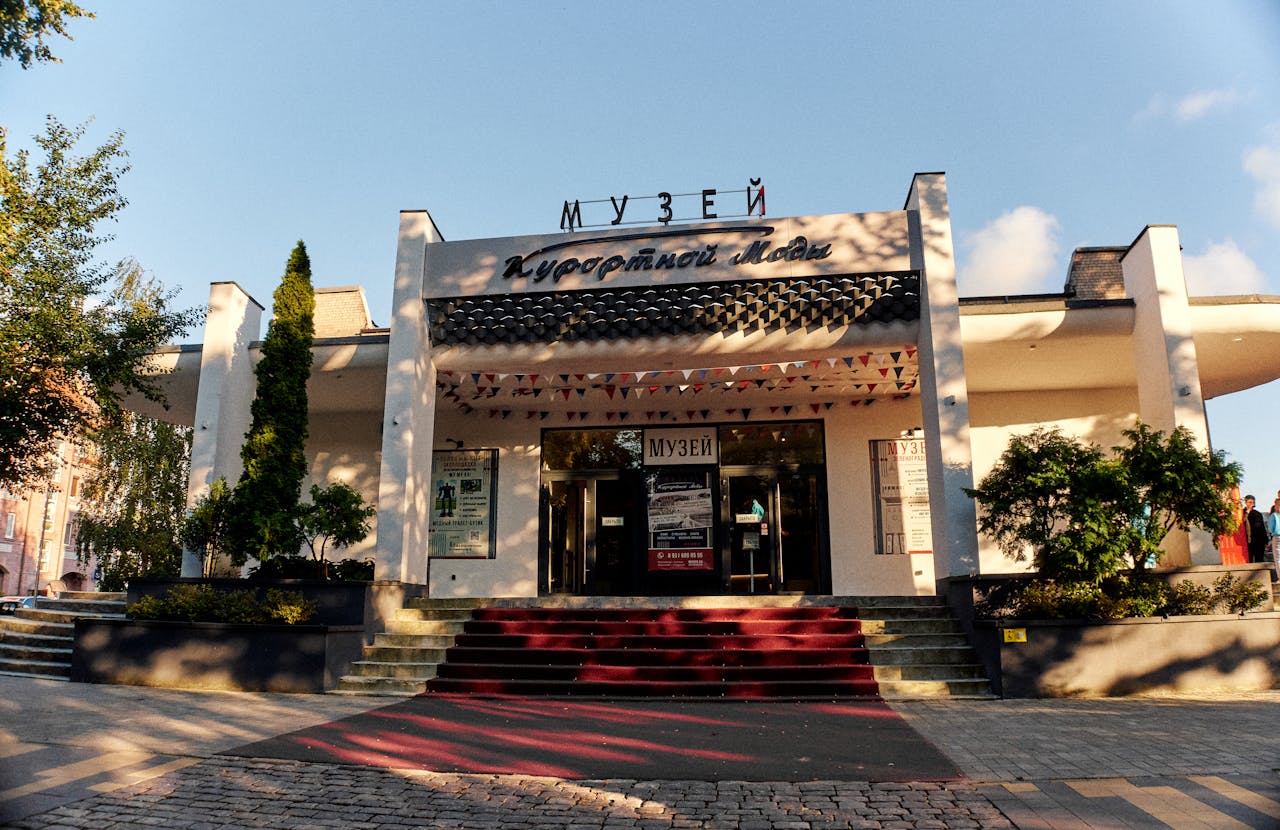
205	528
1170	483
1084	517
263	519
75	334
25	23
132	503
337	515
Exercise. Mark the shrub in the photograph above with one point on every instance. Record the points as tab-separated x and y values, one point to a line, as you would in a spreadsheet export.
1236	597
1189	598
204	603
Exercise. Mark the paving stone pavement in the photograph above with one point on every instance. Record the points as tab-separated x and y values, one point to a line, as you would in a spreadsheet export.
1116	764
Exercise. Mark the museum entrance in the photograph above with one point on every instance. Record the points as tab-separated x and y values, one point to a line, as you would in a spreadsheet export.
616	520
772	518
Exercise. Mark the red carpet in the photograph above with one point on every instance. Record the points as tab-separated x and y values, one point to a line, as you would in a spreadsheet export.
758	653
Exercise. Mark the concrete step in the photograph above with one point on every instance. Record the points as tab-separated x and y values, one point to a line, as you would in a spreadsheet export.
394	654
906	656
107	596
82	606
386	639
36	668
411	671
931	671
20	623
915	640
915	625
401	625
924	689
383	686
56	615
22	638
39	654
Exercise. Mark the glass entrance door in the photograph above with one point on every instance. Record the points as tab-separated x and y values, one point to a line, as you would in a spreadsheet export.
750	503
775	534
589	546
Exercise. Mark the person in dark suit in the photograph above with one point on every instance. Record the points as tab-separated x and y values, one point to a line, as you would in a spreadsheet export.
1256	537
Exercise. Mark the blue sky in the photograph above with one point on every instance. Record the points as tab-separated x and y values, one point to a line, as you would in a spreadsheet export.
253	124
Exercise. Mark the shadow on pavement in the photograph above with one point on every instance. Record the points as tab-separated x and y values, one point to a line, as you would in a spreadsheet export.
649	739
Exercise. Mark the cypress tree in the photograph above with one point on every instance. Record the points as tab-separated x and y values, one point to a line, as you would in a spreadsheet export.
263	517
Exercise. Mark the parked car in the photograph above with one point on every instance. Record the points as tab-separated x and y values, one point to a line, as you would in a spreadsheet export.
10	604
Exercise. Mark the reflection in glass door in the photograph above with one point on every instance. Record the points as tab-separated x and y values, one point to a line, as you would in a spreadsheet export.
776	530
590	528
749	499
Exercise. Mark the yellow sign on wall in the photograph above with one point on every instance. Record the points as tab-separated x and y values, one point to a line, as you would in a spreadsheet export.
1015	635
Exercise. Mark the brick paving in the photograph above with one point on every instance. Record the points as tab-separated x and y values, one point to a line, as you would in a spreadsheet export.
227	792
1116	764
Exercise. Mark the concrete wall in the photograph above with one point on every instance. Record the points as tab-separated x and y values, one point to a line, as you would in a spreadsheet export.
514	571
856	569
346	447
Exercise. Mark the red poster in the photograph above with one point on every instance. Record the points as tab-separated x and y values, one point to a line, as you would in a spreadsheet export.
680	559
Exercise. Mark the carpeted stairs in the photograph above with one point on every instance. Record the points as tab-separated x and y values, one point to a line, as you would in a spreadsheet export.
751	652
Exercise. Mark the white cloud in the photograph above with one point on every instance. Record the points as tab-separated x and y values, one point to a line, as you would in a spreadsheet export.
1222	269
1199	104
1263	164
1016	254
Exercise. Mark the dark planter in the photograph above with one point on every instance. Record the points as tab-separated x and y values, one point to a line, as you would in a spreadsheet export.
367	604
1077	658
190	655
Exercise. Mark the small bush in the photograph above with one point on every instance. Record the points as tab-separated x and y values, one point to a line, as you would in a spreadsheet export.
353	570
304	567
1236	597
204	603
1189	598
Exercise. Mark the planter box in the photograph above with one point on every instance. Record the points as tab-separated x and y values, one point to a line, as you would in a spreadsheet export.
367	604
238	657
1074	658
1119	657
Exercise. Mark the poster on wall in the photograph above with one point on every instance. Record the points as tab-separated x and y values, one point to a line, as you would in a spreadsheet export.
680	521
901	485
463	504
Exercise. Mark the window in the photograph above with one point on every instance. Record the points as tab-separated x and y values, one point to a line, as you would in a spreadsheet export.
69	532
10	524
75	486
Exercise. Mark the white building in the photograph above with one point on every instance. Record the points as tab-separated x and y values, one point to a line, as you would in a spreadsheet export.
762	405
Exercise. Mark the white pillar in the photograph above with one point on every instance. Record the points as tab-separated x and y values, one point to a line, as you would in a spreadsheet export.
224	395
408	422
944	397
1169	393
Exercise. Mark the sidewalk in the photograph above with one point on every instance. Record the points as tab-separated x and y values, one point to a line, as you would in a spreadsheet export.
80	756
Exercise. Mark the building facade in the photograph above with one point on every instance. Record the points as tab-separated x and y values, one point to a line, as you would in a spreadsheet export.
754	406
38	532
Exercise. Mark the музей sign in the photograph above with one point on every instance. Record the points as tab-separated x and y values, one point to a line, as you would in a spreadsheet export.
704	202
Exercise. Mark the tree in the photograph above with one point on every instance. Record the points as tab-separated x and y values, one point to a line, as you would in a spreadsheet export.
263	519
24	24
205	528
74	334
1085	516
337	515
1171	484
132	503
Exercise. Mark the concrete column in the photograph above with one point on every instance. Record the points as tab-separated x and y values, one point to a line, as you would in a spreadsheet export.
408	422
944	397
224	395
1169	393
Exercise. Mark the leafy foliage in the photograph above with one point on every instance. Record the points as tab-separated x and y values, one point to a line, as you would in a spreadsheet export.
74	334
204	530
132	504
337	515
304	567
205	603
262	521
1118	597
25	23
1084	516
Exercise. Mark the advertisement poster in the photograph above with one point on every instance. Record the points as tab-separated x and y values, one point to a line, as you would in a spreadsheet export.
680	521
463	503
901	482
